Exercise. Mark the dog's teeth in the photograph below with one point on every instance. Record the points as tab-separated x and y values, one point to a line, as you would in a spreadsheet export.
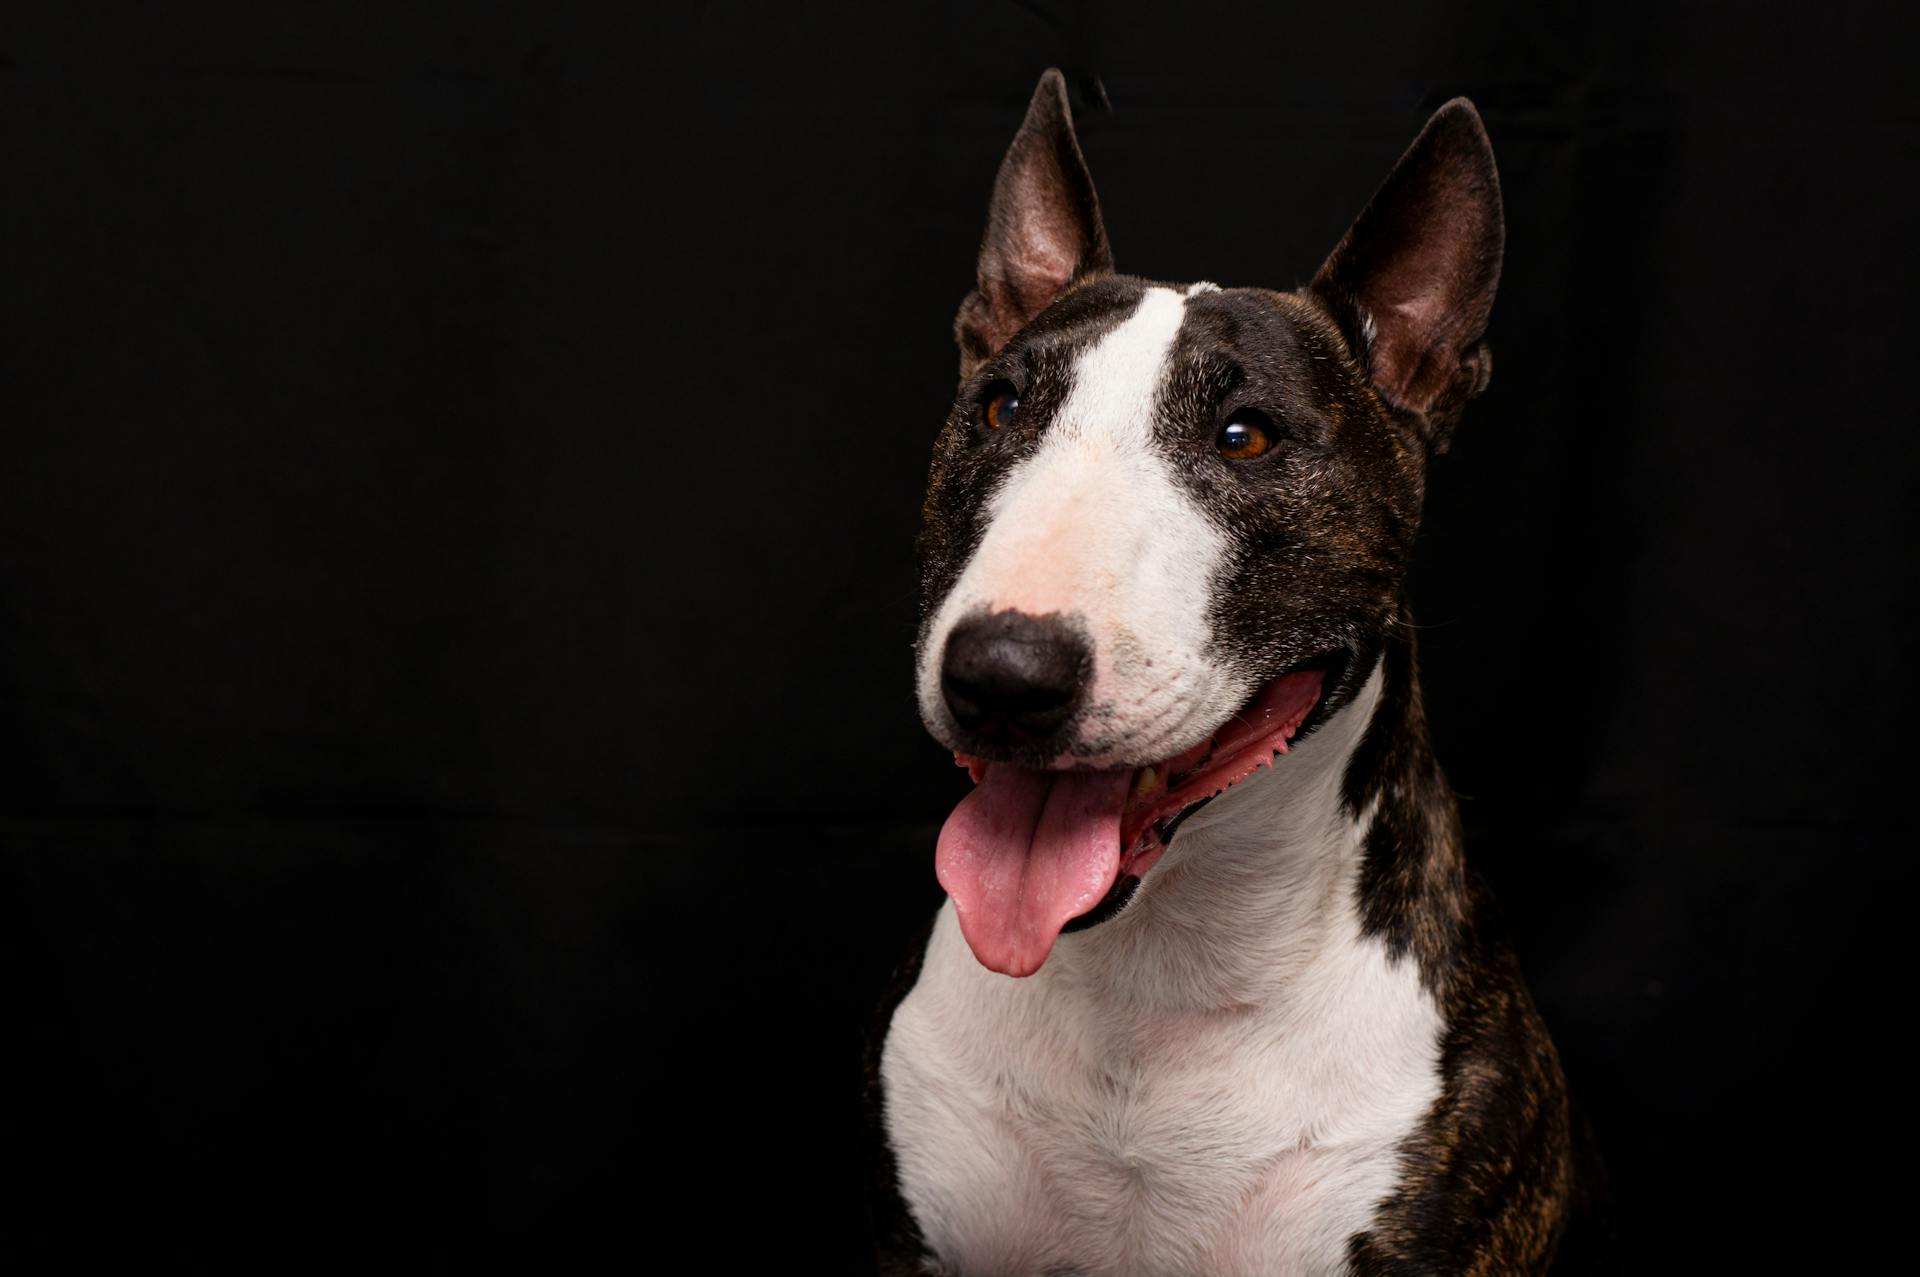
1149	782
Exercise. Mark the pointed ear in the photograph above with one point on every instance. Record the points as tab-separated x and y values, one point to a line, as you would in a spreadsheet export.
1043	229
1412	282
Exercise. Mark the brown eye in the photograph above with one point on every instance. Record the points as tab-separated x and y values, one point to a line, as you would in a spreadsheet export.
1247	434
1003	401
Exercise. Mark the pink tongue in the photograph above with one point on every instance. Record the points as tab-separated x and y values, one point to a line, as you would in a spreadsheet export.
1027	852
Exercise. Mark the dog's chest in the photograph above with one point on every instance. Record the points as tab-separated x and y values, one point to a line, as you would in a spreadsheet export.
1039	1132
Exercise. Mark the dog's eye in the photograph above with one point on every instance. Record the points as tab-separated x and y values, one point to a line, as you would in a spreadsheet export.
1001	402
1247	434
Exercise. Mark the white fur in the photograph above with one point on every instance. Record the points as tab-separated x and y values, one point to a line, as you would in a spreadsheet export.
1214	1083
1095	524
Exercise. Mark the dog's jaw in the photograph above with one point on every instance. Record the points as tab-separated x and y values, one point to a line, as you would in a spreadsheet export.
1256	864
1031	850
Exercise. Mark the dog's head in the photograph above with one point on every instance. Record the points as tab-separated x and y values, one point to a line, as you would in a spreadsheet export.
1168	525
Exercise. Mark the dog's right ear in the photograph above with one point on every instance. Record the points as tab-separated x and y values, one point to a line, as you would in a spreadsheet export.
1043	229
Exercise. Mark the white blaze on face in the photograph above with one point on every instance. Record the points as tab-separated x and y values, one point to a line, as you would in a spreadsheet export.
1095	524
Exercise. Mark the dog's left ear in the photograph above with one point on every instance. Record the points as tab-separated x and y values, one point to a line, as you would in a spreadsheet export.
1043	229
1412	281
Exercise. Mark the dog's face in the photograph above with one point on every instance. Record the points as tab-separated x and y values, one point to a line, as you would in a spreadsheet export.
1195	482
1167	526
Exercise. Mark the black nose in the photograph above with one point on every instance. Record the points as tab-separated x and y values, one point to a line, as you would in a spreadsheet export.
1010	677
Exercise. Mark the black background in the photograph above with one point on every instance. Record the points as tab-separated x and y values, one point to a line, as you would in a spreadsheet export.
459	781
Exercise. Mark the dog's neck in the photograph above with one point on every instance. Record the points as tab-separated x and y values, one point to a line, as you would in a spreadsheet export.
1343	836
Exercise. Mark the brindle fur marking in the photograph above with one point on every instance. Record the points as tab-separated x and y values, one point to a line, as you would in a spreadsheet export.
1486	1181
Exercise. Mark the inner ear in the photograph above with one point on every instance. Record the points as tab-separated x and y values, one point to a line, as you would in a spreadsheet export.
1043	228
1412	282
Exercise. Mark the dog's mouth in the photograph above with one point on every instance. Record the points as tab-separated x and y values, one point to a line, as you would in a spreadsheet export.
1032	853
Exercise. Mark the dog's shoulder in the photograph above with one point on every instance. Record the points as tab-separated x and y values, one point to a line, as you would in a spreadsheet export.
898	1245
1488	1179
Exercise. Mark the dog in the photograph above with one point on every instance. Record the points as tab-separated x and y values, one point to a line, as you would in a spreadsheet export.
1213	991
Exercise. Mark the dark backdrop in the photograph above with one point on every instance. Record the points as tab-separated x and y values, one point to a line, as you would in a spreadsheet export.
459	783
